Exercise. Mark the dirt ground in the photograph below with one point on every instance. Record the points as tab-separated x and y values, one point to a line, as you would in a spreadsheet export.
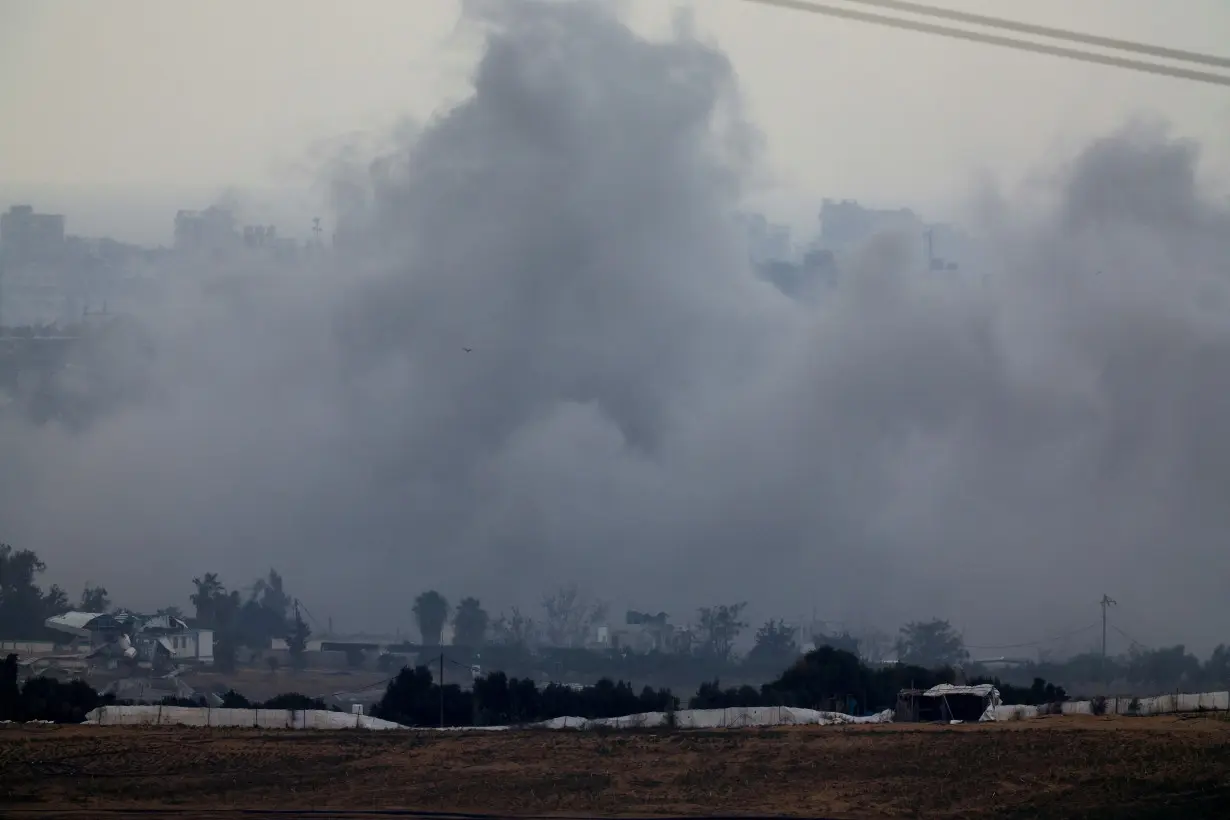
1050	767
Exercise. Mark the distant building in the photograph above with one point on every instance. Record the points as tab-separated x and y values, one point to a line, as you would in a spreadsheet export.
265	238
192	645
29	238
204	231
112	637
259	236
766	241
946	244
846	224
27	647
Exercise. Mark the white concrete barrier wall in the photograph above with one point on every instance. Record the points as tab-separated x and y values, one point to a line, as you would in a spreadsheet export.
1156	705
685	718
317	719
734	718
204	717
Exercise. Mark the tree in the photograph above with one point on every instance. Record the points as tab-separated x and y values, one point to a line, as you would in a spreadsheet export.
775	645
431	613
570	617
470	623
843	641
208	589
296	641
94	599
171	612
930	643
218	610
1166	668
265	615
23	606
822	676
1217	668
10	694
225	608
515	630
719	628
271	595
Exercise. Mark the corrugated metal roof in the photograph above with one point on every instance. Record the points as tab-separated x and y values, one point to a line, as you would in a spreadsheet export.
71	622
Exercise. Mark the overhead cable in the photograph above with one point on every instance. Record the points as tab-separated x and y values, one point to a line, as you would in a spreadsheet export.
1037	642
1004	42
922	10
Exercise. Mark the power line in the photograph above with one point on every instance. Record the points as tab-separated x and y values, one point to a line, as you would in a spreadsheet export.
1004	42
1047	31
1129	637
1039	642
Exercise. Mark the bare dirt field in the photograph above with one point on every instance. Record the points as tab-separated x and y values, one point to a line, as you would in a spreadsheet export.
1050	767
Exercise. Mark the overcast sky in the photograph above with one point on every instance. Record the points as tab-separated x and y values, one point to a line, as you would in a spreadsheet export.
141	92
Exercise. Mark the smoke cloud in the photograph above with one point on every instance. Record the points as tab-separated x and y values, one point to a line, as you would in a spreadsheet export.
640	413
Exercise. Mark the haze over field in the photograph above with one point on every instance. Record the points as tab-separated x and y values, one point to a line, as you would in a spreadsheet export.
640	413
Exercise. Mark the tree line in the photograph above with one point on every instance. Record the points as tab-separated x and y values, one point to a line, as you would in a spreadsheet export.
560	636
825	678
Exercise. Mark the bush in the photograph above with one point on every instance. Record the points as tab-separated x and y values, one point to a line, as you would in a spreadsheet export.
49	699
234	700
293	701
1039	693
414	699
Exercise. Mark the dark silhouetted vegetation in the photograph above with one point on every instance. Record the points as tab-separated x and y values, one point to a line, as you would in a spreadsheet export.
470	624
23	605
44	698
414	699
930	643
431	613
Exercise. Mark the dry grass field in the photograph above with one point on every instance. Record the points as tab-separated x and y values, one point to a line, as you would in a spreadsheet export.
1050	767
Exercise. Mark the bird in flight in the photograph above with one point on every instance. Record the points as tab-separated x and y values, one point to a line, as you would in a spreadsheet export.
468	349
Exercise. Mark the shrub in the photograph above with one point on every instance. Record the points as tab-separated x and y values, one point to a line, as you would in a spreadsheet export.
293	701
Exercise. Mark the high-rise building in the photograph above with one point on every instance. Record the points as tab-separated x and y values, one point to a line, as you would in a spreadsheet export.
208	230
29	238
846	224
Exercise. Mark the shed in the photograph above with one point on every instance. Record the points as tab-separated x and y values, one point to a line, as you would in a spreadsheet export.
948	702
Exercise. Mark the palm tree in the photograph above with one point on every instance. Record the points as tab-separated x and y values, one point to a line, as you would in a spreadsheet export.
470	623
431	613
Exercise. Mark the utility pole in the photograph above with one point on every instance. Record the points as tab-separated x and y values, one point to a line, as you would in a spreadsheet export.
441	690
1105	603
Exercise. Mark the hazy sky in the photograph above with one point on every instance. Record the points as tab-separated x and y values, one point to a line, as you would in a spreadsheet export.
640	413
141	92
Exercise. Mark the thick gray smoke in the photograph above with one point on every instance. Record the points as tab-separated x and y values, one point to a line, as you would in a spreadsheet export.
642	415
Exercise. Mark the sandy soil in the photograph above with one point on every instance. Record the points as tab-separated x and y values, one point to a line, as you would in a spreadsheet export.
1051	767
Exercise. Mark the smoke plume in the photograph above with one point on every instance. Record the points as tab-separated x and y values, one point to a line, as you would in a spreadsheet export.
641	414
